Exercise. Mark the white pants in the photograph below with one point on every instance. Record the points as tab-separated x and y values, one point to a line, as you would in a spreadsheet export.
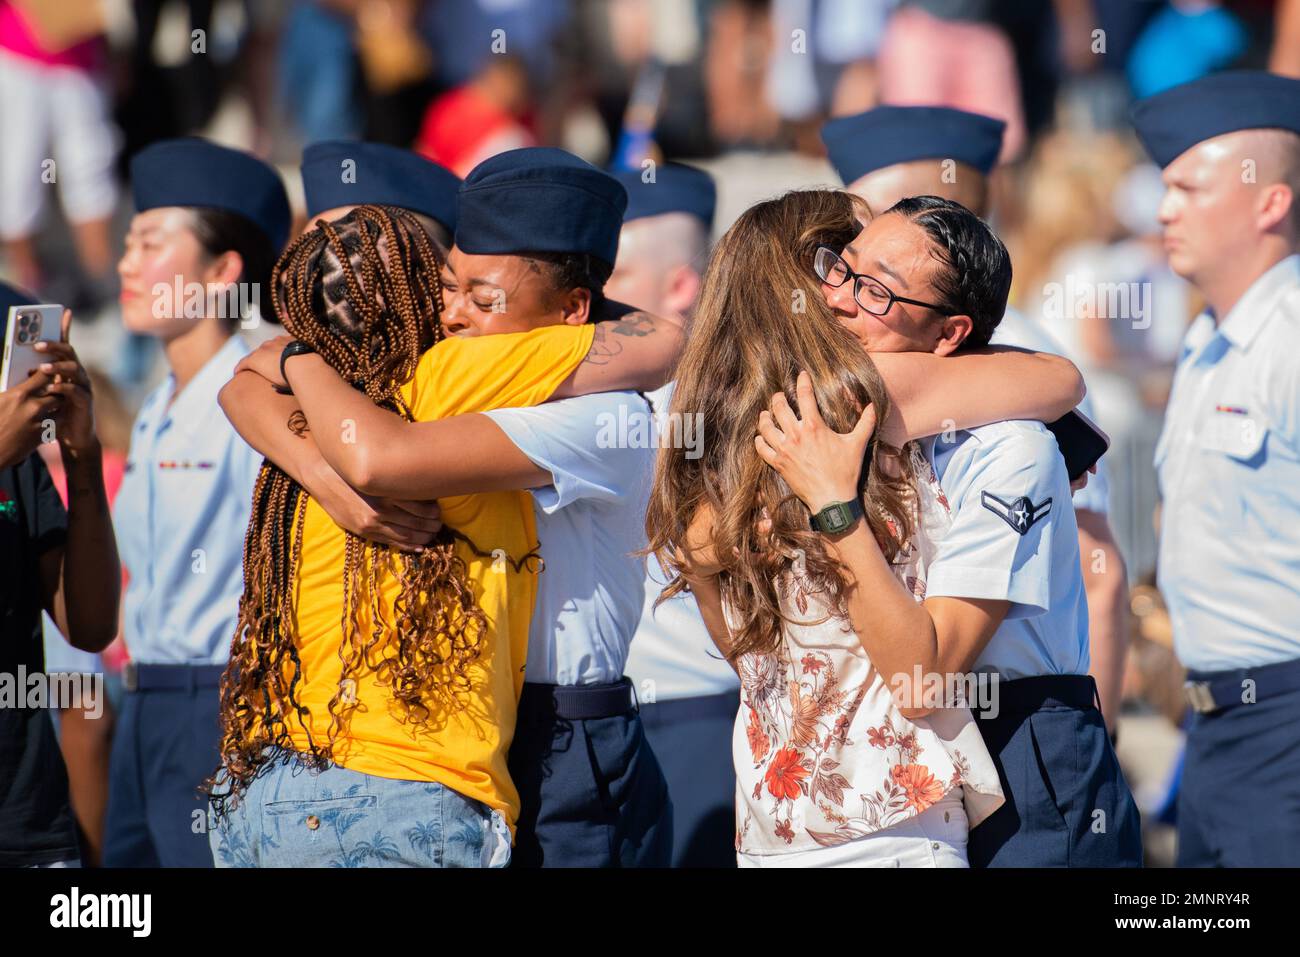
58	136
934	838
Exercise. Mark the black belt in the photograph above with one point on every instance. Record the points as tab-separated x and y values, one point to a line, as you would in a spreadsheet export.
138	677
1023	696
1210	691
579	702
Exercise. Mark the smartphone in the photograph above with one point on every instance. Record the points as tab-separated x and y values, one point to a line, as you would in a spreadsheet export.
1082	442
27	326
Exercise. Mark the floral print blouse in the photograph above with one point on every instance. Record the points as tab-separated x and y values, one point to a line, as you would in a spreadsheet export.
823	754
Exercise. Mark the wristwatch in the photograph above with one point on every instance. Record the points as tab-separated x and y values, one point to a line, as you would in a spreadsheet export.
294	347
837	517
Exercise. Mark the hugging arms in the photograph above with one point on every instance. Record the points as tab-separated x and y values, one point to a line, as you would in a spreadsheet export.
378	476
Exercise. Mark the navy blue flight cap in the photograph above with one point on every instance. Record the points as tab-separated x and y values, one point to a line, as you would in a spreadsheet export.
384	176
1175	120
861	144
676	189
539	199
196	172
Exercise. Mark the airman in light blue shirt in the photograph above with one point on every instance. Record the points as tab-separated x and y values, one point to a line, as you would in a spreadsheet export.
180	516
1228	459
1229	469
196	266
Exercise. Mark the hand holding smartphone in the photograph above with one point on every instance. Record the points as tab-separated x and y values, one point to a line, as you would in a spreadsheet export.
1082	442
27	326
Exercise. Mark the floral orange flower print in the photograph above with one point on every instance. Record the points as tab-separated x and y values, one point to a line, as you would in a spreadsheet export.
803	717
920	787
825	757
758	740
909	788
785	775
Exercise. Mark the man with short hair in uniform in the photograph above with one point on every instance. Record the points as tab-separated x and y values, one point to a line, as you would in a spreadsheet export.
1228	459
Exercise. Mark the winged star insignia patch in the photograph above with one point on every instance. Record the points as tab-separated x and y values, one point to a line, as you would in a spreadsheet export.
1020	514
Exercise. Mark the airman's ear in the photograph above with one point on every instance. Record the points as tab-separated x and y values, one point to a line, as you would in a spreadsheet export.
225	269
955	331
683	290
1277	203
575	306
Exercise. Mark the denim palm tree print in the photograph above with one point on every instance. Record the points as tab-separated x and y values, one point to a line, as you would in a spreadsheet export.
291	817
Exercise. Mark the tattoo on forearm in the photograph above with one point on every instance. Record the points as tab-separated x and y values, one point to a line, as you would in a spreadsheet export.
605	347
633	324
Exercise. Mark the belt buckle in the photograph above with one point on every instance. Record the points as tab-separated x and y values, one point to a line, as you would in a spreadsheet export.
1199	696
130	678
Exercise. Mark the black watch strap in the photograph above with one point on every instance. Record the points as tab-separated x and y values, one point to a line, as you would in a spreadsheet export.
294	347
837	517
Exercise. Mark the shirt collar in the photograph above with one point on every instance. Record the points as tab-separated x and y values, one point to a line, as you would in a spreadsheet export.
1253	310
200	394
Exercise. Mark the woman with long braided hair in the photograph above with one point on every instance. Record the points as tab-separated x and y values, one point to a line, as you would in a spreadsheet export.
387	675
376	347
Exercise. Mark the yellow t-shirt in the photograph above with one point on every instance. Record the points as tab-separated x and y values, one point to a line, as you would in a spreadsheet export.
463	748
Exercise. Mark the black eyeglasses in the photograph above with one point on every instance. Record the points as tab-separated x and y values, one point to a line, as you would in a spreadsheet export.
868	292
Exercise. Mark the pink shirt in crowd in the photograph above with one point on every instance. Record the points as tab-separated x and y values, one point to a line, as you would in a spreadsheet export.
18	37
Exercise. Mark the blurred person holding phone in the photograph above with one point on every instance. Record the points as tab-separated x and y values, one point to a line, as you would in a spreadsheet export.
61	561
85	729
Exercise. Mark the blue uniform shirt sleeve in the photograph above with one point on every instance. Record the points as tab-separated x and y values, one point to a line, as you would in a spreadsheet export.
1006	485
592	446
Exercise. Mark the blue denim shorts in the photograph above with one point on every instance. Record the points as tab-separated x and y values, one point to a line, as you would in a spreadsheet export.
292	816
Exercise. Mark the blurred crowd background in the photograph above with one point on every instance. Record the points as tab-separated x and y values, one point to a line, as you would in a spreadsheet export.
739	87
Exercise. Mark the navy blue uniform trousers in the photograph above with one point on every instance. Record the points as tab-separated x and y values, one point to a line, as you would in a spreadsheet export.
691	737
591	791
1239	800
165	745
1067	803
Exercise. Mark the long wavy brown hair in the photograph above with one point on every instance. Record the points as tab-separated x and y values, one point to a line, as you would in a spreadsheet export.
761	319
365	293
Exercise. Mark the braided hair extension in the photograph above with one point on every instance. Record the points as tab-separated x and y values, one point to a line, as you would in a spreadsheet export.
365	293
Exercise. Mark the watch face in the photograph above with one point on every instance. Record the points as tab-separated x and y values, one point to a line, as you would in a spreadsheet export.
835	518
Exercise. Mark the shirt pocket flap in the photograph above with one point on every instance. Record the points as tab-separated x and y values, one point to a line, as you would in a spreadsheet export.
1237	434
